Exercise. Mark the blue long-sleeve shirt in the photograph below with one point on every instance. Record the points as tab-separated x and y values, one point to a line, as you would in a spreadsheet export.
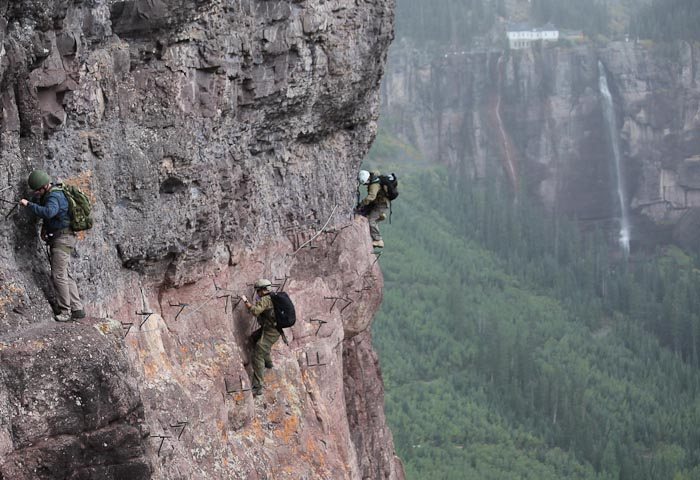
53	209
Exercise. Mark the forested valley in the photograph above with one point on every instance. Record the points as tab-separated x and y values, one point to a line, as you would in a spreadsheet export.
668	20
514	345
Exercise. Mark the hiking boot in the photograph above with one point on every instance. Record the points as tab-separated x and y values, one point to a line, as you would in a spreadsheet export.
378	243
77	314
63	317
268	364
257	391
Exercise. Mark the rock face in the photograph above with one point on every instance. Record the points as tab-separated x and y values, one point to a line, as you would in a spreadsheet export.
70	406
535	116
217	138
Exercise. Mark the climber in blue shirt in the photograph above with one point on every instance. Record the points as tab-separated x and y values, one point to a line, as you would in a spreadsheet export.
56	231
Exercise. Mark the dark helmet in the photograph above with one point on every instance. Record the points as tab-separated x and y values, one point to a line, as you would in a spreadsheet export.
38	179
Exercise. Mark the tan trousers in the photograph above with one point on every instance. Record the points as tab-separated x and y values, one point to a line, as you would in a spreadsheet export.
67	295
262	353
373	217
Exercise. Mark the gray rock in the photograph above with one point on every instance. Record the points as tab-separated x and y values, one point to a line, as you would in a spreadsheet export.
214	138
72	403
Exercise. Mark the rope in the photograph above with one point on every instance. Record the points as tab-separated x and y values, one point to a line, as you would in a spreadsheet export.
317	233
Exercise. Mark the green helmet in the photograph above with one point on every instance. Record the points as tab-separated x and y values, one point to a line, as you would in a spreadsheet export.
38	179
263	283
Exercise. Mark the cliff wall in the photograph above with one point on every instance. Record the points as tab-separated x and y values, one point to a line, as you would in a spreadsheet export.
535	116
219	141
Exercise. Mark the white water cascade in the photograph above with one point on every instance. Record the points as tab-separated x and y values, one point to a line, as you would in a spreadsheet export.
611	122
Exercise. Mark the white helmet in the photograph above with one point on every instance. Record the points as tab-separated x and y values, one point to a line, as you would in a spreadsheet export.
263	284
363	177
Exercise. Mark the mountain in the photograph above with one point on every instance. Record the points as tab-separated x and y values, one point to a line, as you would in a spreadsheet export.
539	318
537	116
514	346
219	143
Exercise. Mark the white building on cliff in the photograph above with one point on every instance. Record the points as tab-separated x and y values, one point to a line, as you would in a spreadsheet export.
521	36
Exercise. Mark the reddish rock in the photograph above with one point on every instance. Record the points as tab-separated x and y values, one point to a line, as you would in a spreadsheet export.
219	142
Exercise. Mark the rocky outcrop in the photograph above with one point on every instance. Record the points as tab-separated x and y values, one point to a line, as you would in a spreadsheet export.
70	406
538	112
219	141
370	435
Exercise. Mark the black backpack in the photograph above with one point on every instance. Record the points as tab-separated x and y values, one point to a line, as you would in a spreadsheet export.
285	316
390	185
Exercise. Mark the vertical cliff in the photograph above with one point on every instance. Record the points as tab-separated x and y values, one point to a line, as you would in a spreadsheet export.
536	117
219	140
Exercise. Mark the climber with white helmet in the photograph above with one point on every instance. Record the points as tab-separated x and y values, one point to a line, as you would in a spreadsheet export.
381	189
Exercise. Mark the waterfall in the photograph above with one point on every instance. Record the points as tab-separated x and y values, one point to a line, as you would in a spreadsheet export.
611	123
506	141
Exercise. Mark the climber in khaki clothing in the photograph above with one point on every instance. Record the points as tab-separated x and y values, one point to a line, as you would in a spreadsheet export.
57	233
266	336
375	204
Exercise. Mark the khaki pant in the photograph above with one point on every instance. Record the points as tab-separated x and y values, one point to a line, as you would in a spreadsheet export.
374	217
262	353
67	296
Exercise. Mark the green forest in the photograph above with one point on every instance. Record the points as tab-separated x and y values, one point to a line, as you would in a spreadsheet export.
591	16
459	22
446	21
668	20
513	346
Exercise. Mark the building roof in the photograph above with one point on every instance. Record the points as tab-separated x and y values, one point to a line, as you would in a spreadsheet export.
526	27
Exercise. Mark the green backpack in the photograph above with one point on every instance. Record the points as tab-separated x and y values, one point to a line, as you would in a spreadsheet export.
78	207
